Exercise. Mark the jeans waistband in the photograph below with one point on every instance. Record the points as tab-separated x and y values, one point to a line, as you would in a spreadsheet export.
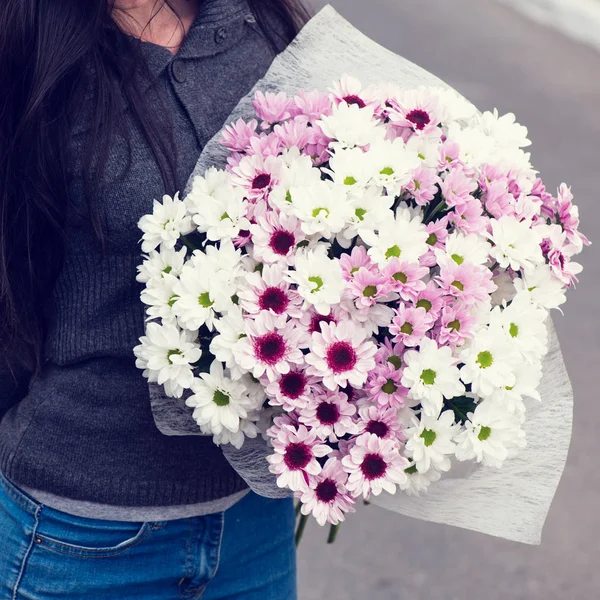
18	496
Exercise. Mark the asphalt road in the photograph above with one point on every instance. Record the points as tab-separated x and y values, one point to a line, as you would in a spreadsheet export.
496	58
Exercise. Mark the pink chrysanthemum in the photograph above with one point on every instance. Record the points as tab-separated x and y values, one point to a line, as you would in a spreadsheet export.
568	217
292	390
313	105
265	145
471	284
437	236
367	288
268	290
380	421
455	326
449	156
390	354
469	218
405	278
236	137
350	90
457	187
294	134
257	175
384	387
275	237
295	456
341	354
271	345
549	204
423	185
431	299
326	498
373	465
409	325
357	259
273	108
330	415
417	110
497	200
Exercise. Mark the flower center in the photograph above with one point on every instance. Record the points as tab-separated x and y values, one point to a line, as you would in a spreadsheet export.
273	299
379	428
341	357
281	242
318	283
353	99
349	180
315	322
395	360
420	118
297	456
459	260
407	328
172	353
400	276
424	303
220	399
204	300
393	252
455	325
432	239
484	434
373	466
328	413
370	291
428	436
261	181
292	385
485	359
428	376
458	285
389	387
514	330
326	491
270	348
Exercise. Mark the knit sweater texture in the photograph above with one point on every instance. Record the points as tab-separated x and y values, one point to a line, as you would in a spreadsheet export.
83	429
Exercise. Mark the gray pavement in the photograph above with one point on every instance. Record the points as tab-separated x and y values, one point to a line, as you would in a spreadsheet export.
497	58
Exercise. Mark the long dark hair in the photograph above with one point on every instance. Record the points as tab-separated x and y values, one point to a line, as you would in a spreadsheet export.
45	46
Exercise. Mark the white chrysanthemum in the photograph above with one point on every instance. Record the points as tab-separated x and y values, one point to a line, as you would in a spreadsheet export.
504	129
351	167
418	483
460	248
160	297
427	150
221	215
202	186
372	320
475	147
546	290
224	259
231	330
321	208
491	435
528	378
431	375
430	441
454	106
404	237
368	210
523	322
248	429
166	224
319	279
159	264
166	354
199	293
218	401
516	244
489	362
351	126
392	164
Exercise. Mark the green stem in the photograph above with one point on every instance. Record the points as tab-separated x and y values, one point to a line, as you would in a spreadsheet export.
439	208
188	243
300	529
333	531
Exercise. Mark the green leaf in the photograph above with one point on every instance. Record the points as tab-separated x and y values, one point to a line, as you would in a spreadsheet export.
461	405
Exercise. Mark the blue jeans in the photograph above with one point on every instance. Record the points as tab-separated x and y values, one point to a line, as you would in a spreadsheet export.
244	553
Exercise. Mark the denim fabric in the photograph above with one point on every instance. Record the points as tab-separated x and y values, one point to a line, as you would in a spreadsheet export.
244	553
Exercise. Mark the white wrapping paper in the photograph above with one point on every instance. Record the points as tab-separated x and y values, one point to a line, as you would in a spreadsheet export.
511	502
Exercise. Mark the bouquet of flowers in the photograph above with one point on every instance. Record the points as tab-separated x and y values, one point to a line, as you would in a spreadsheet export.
366	285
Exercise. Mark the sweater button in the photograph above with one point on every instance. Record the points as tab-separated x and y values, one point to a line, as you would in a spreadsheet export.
178	70
220	35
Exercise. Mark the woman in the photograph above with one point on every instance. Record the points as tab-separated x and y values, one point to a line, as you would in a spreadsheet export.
106	104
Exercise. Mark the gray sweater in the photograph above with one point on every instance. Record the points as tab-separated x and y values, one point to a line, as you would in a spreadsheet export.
83	429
